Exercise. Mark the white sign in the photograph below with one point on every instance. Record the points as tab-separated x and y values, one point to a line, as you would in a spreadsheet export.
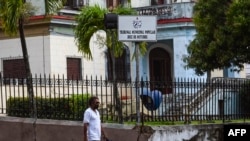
137	28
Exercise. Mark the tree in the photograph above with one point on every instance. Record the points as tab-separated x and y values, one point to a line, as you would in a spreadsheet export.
13	14
208	18
238	37
90	21
222	39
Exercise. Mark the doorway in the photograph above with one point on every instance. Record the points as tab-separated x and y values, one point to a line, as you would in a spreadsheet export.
160	70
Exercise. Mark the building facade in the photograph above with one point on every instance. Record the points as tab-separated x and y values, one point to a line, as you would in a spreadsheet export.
52	48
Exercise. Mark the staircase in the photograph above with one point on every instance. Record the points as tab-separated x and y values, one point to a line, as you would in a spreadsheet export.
180	106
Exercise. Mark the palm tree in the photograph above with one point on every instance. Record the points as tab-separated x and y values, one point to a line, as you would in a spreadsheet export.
90	21
13	14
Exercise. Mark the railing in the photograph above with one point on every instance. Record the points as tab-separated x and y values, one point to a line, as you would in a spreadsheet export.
168	11
188	100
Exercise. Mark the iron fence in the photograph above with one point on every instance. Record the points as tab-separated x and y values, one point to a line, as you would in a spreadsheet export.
181	99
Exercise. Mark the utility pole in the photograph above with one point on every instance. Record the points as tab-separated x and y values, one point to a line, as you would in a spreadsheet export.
137	83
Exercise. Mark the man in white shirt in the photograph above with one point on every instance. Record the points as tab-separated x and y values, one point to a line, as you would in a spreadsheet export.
92	128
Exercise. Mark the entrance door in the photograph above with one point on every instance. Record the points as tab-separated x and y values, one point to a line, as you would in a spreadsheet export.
160	70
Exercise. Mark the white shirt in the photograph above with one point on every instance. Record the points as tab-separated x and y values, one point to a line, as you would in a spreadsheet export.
93	119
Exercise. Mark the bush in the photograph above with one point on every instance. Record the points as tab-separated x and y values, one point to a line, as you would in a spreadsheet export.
17	106
78	104
50	108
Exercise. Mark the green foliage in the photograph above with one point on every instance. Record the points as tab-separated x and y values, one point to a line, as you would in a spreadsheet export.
90	21
204	53
222	38
52	6
17	106
50	108
53	108
120	10
11	11
238	21
78	104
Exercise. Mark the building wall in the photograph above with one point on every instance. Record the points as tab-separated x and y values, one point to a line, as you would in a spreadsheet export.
11	49
63	47
181	34
98	2
140	3
48	54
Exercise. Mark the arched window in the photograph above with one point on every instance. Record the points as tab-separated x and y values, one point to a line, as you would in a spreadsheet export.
122	66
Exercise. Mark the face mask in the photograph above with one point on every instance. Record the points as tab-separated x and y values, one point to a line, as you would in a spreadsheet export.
96	105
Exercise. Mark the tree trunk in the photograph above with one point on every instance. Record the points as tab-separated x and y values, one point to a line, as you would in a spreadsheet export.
27	70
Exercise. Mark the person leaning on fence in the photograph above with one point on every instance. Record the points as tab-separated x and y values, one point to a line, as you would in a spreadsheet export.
92	128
